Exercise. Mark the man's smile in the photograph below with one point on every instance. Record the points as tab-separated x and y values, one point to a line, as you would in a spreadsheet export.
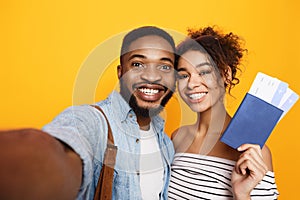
149	92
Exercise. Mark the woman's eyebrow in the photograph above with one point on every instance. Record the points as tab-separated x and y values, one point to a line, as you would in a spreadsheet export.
203	64
181	69
197	66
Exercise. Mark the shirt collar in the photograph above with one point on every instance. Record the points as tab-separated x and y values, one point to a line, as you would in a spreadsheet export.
122	110
120	107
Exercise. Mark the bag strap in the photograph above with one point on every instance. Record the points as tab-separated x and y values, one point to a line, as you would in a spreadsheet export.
105	181
109	136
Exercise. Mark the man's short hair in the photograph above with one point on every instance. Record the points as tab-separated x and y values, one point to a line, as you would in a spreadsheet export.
141	32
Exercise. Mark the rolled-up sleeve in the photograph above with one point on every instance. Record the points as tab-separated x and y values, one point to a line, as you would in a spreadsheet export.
80	127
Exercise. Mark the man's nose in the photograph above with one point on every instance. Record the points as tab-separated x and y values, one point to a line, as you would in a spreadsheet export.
151	74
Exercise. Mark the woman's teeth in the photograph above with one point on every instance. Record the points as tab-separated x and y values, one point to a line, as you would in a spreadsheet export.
197	95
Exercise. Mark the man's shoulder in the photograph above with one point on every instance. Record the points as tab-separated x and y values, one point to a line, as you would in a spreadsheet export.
113	99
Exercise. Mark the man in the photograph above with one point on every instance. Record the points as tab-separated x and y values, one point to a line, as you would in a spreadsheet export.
68	167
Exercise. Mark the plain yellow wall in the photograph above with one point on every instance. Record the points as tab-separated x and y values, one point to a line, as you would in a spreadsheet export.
46	47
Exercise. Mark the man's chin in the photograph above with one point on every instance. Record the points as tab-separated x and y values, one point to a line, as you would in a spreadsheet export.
149	105
145	109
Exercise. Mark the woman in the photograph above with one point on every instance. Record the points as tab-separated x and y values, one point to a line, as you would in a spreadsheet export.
204	167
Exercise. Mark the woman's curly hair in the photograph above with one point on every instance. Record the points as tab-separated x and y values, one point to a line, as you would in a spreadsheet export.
224	49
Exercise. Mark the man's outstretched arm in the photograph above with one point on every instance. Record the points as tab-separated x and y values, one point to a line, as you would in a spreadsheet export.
34	165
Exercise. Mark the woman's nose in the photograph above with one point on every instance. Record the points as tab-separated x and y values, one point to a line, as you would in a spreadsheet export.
194	81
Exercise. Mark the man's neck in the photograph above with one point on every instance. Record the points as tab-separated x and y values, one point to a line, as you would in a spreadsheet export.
144	122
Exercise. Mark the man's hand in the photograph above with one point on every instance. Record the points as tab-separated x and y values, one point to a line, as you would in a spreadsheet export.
34	165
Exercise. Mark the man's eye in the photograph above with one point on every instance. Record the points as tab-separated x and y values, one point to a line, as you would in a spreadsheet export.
165	67
137	64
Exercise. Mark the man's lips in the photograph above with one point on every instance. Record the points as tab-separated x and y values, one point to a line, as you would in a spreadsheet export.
149	92
150	88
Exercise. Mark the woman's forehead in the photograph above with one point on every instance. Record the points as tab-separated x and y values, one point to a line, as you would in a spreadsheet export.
194	57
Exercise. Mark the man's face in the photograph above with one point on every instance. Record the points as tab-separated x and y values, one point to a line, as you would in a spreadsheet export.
147	77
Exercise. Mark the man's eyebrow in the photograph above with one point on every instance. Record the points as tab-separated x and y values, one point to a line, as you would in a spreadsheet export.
142	56
136	56
167	59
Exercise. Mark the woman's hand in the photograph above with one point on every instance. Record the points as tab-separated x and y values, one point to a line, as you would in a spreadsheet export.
249	170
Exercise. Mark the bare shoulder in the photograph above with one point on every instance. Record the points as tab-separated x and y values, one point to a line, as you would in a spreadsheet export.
179	131
179	137
173	135
267	156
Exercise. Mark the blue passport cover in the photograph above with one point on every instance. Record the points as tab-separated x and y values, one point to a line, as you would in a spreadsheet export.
252	123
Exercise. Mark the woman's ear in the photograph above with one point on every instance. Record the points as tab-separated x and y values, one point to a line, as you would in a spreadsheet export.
119	71
227	76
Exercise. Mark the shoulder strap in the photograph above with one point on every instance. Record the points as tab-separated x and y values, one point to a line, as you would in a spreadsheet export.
105	182
109	136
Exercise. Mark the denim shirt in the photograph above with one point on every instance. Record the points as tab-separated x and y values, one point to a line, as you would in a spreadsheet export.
84	129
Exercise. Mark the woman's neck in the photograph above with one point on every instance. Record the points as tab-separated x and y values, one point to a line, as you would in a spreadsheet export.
213	120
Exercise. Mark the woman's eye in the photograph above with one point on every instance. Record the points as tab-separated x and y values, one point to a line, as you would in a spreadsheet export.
205	72
182	76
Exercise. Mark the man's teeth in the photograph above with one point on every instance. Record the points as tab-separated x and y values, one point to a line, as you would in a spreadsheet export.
149	91
197	95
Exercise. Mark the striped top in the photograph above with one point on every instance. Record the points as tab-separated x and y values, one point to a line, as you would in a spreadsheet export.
197	176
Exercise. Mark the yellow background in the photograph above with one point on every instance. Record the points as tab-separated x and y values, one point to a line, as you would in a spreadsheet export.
45	43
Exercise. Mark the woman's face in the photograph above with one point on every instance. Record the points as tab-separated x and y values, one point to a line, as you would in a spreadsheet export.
199	82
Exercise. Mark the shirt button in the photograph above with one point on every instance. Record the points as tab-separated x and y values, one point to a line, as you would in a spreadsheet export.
130	115
137	173
137	140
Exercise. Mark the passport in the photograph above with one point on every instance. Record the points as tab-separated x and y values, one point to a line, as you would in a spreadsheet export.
252	123
265	104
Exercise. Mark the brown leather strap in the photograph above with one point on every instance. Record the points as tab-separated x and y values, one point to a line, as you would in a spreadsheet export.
105	182
110	136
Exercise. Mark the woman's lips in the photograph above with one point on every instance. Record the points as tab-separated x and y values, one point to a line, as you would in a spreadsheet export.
196	97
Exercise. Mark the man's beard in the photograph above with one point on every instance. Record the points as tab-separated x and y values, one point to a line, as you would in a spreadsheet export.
140	111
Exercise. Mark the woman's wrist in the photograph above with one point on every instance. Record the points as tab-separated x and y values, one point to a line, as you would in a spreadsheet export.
242	197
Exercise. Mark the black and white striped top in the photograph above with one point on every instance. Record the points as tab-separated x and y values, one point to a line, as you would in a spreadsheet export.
197	176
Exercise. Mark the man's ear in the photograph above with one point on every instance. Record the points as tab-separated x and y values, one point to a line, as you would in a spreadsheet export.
119	71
